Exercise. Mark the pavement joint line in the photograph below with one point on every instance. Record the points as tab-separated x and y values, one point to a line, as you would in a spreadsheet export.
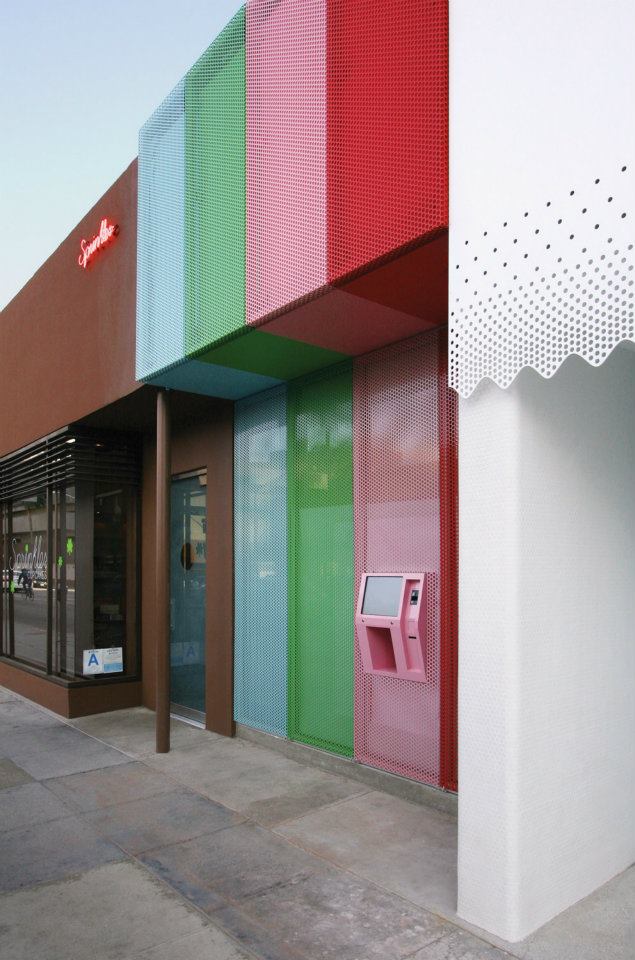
27	826
72	722
182	747
55	880
431	943
174	843
213	737
324	806
83	812
38	707
71	815
208	917
105	806
69	722
162	943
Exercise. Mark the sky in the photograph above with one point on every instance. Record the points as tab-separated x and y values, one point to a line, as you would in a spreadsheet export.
77	80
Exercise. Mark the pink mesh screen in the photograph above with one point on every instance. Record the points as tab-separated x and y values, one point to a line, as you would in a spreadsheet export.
400	428
286	153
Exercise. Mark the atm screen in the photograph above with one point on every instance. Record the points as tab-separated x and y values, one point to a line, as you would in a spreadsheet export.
381	596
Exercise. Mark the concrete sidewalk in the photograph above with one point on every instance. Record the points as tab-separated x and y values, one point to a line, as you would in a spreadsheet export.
225	849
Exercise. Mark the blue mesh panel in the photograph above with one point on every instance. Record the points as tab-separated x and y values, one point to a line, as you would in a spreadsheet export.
161	237
213	380
260	505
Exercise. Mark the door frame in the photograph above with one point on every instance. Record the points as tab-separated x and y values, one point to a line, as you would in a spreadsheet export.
179	710
202	436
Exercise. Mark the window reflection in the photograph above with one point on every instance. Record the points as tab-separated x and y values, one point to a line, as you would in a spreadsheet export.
110	555
64	581
28	585
69	584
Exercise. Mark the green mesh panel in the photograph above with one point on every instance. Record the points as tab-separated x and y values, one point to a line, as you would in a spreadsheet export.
215	190
321	606
271	356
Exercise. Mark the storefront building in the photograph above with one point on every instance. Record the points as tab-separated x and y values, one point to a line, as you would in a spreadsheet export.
299	282
69	491
235	493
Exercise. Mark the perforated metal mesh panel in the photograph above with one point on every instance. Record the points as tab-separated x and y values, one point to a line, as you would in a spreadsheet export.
286	152
400	430
321	608
215	190
260	543
160	237
387	104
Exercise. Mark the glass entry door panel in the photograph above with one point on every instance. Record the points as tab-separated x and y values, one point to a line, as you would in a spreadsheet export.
188	566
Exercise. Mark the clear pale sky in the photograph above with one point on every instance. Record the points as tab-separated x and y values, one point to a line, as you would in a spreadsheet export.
77	80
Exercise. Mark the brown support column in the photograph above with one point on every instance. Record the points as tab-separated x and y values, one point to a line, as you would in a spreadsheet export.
163	573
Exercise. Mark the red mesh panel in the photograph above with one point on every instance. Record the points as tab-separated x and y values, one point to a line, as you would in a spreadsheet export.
387	106
392	302
404	427
347	169
286	152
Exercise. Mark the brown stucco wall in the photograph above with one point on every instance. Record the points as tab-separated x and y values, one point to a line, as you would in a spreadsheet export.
67	340
69	701
201	438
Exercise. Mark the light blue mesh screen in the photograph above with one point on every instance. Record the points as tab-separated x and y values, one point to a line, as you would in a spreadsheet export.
260	540
161	237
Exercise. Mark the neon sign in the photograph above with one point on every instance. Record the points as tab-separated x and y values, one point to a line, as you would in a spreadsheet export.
90	248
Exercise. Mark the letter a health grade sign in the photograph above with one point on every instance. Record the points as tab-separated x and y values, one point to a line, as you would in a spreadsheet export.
109	660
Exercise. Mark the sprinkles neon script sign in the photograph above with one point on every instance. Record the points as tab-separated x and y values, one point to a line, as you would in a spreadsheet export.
90	248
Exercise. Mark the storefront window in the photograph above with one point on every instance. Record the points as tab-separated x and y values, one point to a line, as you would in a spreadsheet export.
109	598
69	584
27	564
63	579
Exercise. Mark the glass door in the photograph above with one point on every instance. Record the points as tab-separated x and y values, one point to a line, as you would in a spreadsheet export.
188	566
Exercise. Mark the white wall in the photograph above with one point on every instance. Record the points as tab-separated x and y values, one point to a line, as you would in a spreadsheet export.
547	642
542	134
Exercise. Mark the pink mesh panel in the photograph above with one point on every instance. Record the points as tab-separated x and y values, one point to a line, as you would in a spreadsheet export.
396	455
286	152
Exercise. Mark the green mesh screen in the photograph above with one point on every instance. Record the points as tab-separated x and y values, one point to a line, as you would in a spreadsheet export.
215	190
321	605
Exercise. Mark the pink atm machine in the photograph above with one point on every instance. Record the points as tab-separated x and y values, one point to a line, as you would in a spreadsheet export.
391	624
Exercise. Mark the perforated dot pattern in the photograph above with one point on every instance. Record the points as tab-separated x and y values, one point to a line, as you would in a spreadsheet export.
405	521
545	283
387	104
260	550
160	229
286	152
215	190
321	606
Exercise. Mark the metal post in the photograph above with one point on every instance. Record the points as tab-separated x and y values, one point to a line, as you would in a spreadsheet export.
163	574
